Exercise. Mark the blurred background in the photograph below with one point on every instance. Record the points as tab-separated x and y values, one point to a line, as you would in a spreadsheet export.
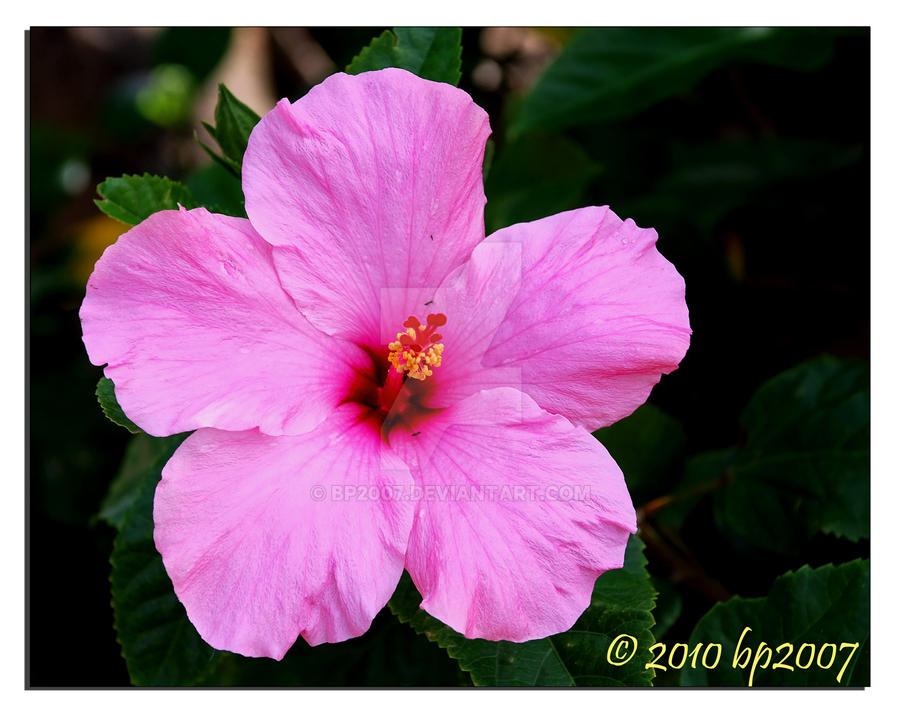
754	171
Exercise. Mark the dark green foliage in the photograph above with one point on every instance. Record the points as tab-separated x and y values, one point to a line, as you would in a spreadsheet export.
621	604
707	182
430	52
828	605
199	49
234	122
143	454
668	606
647	445
160	646
536	177
106	395
132	199
217	188
805	467
609	73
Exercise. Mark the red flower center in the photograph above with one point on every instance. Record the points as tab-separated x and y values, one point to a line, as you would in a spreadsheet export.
399	392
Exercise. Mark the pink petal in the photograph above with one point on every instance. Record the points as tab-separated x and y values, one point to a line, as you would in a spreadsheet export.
187	311
600	315
367	182
520	512
475	298
263	543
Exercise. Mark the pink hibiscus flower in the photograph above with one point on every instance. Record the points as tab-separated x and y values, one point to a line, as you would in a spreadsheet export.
360	335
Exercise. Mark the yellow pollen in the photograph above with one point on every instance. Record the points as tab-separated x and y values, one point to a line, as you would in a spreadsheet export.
414	353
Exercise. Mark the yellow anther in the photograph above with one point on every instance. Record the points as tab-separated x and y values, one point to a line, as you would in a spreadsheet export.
412	354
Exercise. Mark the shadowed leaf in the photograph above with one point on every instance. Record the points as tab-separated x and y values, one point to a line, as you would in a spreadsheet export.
430	52
824	606
106	395
607	73
621	604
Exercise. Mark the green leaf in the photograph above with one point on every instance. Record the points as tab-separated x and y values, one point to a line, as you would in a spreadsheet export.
668	606
822	403
388	654
716	178
621	604
380	53
489	150
159	644
610	73
828	605
431	52
132	199
223	161
142	454
648	446
218	188
703	474
535	177
234	122
106	395
805	467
